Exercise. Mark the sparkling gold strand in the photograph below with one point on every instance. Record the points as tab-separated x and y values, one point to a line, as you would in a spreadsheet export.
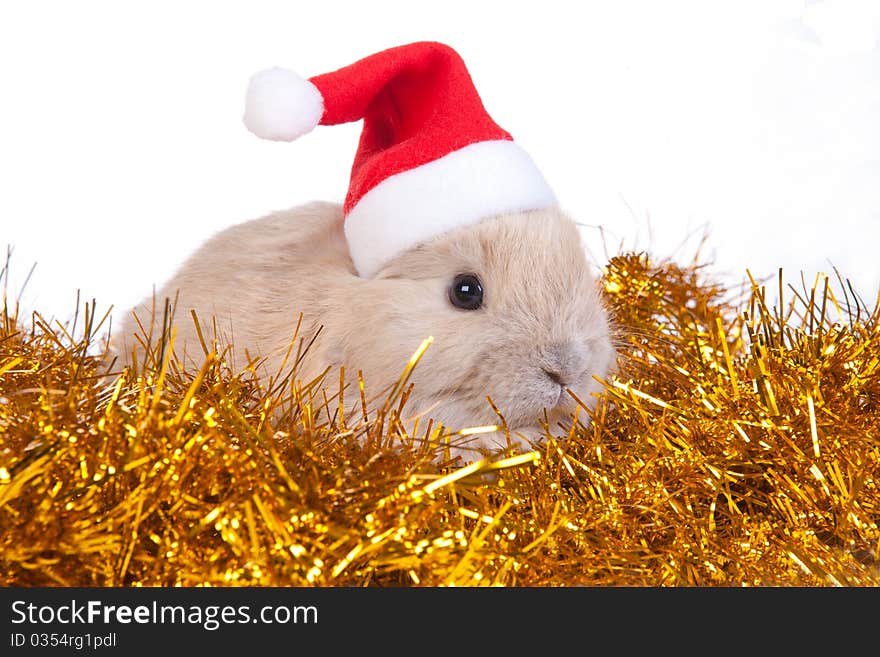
736	445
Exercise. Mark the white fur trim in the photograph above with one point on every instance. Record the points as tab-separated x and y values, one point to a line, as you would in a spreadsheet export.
281	106
464	187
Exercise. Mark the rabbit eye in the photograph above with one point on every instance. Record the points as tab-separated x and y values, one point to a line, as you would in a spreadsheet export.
466	292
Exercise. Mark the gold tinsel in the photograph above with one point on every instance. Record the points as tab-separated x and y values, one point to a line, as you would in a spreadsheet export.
737	444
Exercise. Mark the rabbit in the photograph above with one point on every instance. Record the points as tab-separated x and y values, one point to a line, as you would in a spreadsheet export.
514	310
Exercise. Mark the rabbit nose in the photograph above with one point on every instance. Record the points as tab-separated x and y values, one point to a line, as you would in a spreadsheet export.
556	377
563	363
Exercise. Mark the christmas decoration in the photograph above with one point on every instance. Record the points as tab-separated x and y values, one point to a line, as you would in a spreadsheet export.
427	153
738	444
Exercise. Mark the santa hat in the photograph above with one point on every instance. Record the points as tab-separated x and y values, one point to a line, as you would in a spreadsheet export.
430	158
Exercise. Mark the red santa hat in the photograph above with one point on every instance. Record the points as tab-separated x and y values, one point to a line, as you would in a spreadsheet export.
430	158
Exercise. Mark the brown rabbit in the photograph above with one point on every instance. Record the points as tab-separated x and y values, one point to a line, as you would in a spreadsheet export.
448	230
539	328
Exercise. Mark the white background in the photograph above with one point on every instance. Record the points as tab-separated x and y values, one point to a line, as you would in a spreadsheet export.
122	147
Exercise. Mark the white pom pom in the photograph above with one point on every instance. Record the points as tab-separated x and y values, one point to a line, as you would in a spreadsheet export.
282	106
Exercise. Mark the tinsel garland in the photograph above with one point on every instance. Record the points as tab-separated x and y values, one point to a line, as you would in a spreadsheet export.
738	443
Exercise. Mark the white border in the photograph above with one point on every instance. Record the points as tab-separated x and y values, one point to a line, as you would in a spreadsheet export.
464	187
